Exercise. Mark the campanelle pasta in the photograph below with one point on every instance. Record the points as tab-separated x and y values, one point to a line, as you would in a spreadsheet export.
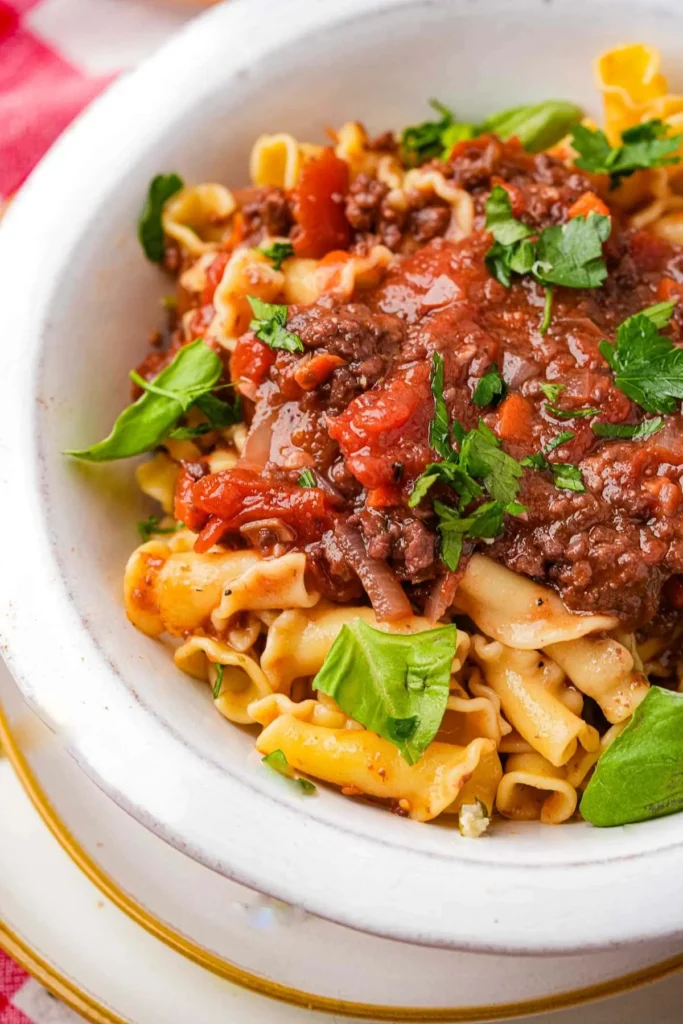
418	531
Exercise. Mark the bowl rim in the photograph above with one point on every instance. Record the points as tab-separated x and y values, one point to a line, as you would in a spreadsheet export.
365	884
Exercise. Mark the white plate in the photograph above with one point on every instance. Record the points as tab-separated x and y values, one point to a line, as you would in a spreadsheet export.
80	304
279	949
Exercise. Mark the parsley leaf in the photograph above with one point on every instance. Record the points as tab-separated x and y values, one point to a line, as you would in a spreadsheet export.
547	311
551	391
568	477
270	325
647	366
536	461
643	146
279	763
146	423
278	252
570	414
481	456
150	229
307	479
395	684
490	389
560	471
422	142
150	526
219	682
439	431
559	440
485	522
569	254
634	432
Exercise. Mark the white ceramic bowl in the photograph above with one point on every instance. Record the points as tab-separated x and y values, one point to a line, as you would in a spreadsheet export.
77	302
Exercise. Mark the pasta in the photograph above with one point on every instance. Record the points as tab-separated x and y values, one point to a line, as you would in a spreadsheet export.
414	440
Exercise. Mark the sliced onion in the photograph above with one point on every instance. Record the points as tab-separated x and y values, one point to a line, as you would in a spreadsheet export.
381	583
441	595
256	451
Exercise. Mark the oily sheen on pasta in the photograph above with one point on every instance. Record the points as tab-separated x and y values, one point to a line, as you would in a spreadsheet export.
413	433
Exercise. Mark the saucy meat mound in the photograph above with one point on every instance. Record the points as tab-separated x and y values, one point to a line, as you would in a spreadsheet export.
354	408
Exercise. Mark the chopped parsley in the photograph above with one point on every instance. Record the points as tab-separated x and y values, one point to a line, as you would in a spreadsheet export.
307	479
569	254
570	414
148	527
568	477
422	142
647	366
279	763
547	311
490	389
643	146
219	682
270	326
150	228
562	438
485	522
633	432
278	252
551	391
439	430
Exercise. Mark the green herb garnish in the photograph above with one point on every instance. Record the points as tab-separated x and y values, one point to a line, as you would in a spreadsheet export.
490	389
568	477
569	254
278	252
570	414
486	522
547	311
396	685
279	763
640	775
150	526
270	325
219	681
633	432
643	146
150	229
647	366
439	430
307	479
146	423
551	391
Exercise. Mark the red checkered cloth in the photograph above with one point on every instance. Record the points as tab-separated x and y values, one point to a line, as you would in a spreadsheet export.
55	57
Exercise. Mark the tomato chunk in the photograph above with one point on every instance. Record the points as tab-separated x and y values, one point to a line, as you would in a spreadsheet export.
184	507
318	203
515	420
252	359
234	497
316	370
587	203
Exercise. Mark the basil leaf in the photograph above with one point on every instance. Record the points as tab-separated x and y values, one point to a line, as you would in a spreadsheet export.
568	477
634	432
640	775
150	230
396	685
278	252
279	763
648	367
220	414
645	145
150	526
307	479
147	422
189	433
537	126
270	325
571	254
491	387
439	431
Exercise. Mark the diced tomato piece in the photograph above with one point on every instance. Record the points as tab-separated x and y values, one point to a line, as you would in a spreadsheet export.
184	507
214	273
318	204
385	496
252	359
236	497
587	203
316	370
669	289
515	420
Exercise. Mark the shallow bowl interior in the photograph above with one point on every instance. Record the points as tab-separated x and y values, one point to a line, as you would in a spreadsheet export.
80	304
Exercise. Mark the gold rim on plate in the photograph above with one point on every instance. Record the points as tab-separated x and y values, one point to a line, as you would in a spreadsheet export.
58	984
284	993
